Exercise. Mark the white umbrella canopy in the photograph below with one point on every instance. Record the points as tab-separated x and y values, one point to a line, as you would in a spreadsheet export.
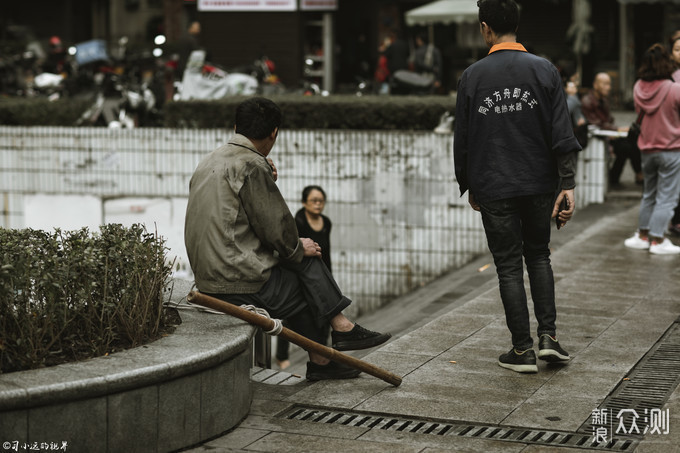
444	12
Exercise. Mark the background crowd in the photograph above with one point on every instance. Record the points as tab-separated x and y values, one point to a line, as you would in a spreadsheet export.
651	143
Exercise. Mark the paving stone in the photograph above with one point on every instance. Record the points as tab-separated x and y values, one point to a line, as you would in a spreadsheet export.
434	443
283	425
284	443
240	438
610	312
548	411
425	341
268	407
480	374
345	393
397	363
442	401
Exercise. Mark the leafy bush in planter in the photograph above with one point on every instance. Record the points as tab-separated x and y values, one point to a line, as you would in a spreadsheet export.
73	295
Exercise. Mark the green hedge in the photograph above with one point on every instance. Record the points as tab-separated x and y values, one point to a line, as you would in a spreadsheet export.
318	112
41	112
299	112
72	295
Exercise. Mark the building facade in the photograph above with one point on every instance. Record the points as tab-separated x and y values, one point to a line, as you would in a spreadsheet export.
335	42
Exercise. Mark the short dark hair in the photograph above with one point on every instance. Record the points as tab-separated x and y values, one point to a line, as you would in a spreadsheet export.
307	190
257	118
501	15
656	64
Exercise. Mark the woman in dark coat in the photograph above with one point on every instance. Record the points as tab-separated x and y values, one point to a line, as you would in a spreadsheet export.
311	223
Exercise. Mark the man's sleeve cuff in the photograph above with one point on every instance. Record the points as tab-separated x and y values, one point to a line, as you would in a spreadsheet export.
568	183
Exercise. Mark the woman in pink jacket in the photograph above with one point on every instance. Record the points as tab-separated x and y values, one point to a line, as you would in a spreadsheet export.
658	97
674	42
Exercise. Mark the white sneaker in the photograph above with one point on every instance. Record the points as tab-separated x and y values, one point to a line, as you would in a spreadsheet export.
665	248
636	242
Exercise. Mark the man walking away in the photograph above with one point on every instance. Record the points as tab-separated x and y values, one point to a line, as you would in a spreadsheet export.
514	147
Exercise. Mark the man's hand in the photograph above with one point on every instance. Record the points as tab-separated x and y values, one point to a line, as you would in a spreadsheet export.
274	172
473	202
564	216
310	247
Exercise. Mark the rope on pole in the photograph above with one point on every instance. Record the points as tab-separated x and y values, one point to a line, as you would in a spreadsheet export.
268	324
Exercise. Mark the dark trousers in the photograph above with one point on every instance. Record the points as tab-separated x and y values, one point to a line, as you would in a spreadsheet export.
515	228
624	150
304	295
676	215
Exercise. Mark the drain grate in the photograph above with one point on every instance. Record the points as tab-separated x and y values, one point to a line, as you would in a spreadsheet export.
460	429
648	386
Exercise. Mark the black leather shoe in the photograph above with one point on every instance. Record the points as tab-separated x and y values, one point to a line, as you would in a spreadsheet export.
332	370
519	361
549	349
358	338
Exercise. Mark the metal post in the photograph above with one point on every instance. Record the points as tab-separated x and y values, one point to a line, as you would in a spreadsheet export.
328	52
624	54
262	350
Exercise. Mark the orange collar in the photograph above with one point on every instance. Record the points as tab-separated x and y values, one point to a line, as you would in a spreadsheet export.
507	46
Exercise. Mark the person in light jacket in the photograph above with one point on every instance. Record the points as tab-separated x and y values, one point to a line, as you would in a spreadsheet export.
658	97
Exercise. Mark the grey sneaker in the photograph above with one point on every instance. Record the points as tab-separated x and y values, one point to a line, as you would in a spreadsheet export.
549	349
519	361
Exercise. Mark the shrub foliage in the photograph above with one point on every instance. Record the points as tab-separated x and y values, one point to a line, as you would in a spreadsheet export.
299	112
71	295
41	112
318	112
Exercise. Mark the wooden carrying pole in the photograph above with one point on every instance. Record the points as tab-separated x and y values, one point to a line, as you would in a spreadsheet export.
267	324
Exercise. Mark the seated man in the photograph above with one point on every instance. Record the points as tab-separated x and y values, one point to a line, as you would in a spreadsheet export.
243	244
595	106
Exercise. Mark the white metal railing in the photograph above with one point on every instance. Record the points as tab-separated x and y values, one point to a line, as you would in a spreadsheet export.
398	221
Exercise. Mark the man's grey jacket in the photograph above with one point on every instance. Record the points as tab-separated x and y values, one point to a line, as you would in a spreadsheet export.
237	224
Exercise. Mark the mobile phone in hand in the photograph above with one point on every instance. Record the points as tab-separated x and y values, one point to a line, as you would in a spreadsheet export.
564	206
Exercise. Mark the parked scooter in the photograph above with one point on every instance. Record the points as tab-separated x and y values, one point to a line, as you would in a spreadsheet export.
410	82
206	81
122	88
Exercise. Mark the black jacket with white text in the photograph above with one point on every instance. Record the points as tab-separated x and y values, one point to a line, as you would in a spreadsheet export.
512	127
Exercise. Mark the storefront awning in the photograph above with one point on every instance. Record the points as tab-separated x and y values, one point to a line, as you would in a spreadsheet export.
444	12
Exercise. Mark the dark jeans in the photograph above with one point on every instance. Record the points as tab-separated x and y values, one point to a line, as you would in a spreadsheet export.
624	150
305	295
517	227
676	215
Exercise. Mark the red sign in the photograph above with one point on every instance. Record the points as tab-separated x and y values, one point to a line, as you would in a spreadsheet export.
319	5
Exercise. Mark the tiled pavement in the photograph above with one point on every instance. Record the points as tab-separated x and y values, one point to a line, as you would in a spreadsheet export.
614	304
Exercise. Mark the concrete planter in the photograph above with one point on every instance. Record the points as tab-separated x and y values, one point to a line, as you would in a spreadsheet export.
178	391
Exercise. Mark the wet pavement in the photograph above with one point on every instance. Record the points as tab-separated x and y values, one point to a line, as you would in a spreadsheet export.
618	313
